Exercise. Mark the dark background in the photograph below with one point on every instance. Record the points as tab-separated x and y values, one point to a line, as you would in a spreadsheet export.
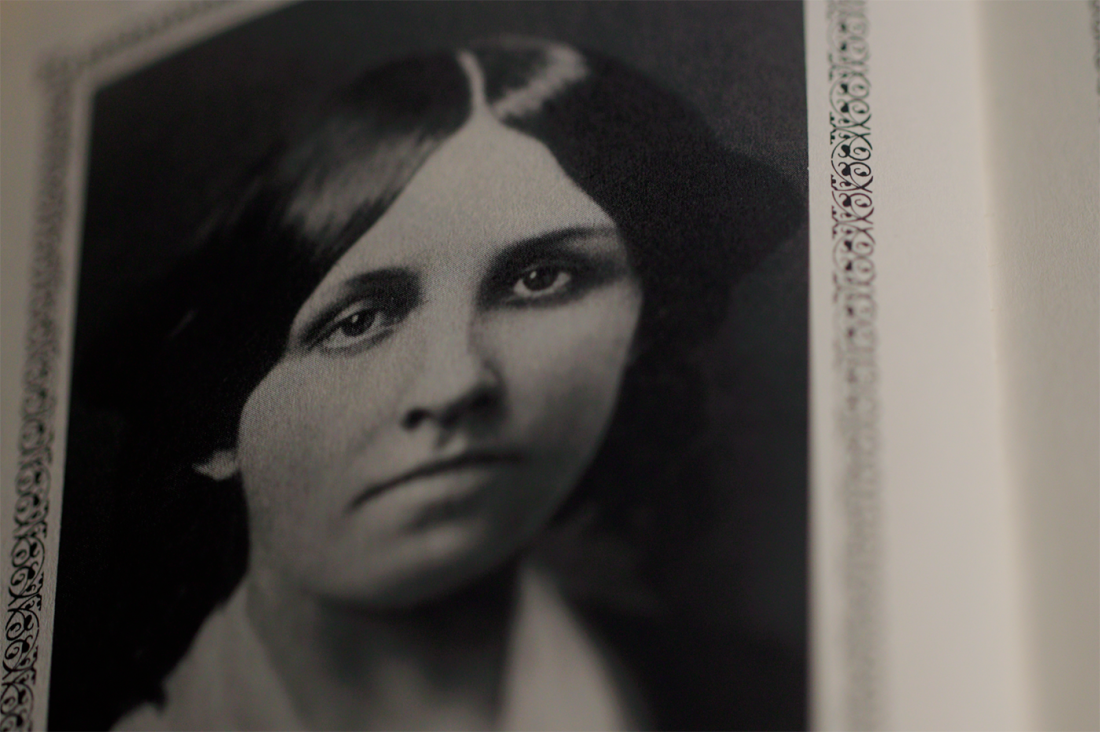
171	139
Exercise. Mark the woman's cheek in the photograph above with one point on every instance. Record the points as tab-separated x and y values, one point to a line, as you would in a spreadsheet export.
565	366
299	433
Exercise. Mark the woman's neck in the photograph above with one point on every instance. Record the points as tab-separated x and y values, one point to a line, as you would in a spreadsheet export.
438	666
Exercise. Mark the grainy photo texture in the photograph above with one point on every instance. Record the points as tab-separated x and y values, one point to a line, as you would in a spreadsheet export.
443	366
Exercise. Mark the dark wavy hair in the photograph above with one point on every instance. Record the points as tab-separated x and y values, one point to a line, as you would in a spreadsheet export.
694	215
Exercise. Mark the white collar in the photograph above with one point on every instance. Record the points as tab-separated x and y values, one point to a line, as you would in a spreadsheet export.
556	677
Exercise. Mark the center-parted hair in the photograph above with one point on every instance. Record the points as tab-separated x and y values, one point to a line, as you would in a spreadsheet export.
181	362
694	216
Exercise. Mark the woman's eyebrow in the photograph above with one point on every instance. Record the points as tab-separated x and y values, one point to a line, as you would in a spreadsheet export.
376	279
550	240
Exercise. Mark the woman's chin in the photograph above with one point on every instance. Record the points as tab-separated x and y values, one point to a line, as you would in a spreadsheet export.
430	567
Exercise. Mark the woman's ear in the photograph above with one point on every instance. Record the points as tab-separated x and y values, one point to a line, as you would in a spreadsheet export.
221	465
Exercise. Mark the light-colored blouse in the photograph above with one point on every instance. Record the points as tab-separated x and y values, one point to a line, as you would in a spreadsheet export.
555	678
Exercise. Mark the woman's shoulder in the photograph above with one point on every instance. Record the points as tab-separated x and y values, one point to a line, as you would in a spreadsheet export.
224	681
191	687
145	717
560	674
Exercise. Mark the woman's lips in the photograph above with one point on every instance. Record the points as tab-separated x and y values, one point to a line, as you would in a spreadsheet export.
466	460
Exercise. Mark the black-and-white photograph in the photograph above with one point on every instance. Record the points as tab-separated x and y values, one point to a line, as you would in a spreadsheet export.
443	366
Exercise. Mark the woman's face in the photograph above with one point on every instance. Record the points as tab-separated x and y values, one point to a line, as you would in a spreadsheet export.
447	382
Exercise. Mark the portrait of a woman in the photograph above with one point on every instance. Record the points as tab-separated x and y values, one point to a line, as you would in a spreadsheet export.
427	360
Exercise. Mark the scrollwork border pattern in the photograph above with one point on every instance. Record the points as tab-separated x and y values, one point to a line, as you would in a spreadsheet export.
22	620
855	343
23	617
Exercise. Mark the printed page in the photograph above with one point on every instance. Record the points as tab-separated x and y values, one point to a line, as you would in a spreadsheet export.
546	366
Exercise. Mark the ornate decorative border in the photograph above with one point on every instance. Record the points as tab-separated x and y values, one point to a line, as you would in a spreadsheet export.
855	351
32	484
59	76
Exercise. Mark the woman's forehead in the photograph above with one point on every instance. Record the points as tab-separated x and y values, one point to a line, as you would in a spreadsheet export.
484	188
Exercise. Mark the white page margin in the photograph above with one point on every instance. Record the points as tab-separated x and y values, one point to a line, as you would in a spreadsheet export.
946	648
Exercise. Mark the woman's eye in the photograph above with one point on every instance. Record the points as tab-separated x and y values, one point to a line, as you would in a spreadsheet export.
358	326
540	282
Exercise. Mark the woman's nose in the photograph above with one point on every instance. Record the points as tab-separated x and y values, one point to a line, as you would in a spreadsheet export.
457	381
